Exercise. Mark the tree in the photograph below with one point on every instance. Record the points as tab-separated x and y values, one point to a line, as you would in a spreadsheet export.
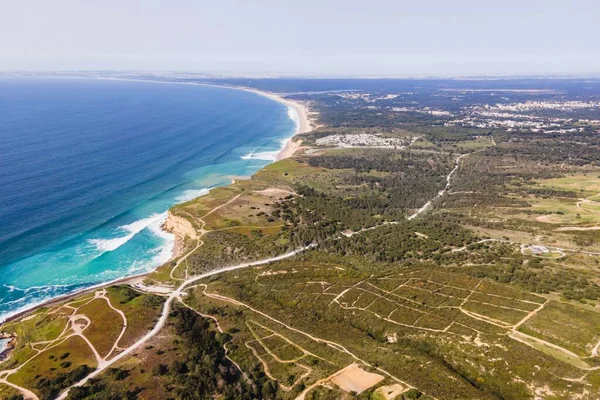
160	369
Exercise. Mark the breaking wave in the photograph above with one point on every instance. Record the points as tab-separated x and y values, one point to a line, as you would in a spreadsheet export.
104	245
191	195
294	116
261	155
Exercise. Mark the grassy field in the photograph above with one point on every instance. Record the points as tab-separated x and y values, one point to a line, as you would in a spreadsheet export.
141	311
106	325
587	185
51	350
415	315
62	358
578	330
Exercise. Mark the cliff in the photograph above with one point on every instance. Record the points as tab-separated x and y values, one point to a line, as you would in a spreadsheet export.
180	227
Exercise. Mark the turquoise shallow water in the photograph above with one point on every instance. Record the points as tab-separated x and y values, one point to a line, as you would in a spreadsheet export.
88	170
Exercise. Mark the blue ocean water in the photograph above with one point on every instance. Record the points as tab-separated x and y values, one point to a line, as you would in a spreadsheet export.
88	169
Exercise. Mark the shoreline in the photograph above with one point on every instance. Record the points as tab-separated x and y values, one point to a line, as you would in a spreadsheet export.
68	296
303	125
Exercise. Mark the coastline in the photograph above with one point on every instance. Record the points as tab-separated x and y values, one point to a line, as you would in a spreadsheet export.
303	125
64	297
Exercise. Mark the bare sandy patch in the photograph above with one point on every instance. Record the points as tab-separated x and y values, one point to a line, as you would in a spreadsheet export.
390	392
355	379
275	192
550	218
291	146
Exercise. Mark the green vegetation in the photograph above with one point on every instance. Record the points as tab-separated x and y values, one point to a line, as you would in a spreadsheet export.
56	368
141	311
101	334
423	316
578	330
193	365
8	393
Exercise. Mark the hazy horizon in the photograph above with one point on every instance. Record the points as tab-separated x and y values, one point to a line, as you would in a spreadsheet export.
328	38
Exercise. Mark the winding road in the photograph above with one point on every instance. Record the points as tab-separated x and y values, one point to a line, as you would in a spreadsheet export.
177	293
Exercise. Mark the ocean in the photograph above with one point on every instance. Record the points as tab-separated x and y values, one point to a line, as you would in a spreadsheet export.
89	168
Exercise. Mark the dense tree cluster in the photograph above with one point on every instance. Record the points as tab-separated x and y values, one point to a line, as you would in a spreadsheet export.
204	371
401	181
384	160
554	152
499	174
411	240
536	277
470	200
50	388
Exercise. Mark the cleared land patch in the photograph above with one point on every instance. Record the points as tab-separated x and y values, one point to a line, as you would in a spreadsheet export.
390	392
354	379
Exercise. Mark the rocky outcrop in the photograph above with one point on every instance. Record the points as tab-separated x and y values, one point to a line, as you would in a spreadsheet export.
9	344
179	226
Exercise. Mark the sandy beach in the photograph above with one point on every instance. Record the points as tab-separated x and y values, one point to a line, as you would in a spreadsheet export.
291	146
305	125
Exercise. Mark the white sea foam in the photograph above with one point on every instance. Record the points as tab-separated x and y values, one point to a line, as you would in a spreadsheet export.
294	116
261	155
40	293
104	245
12	288
191	195
163	253
160	254
44	288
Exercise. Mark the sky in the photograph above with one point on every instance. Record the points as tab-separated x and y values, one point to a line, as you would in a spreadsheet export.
304	37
